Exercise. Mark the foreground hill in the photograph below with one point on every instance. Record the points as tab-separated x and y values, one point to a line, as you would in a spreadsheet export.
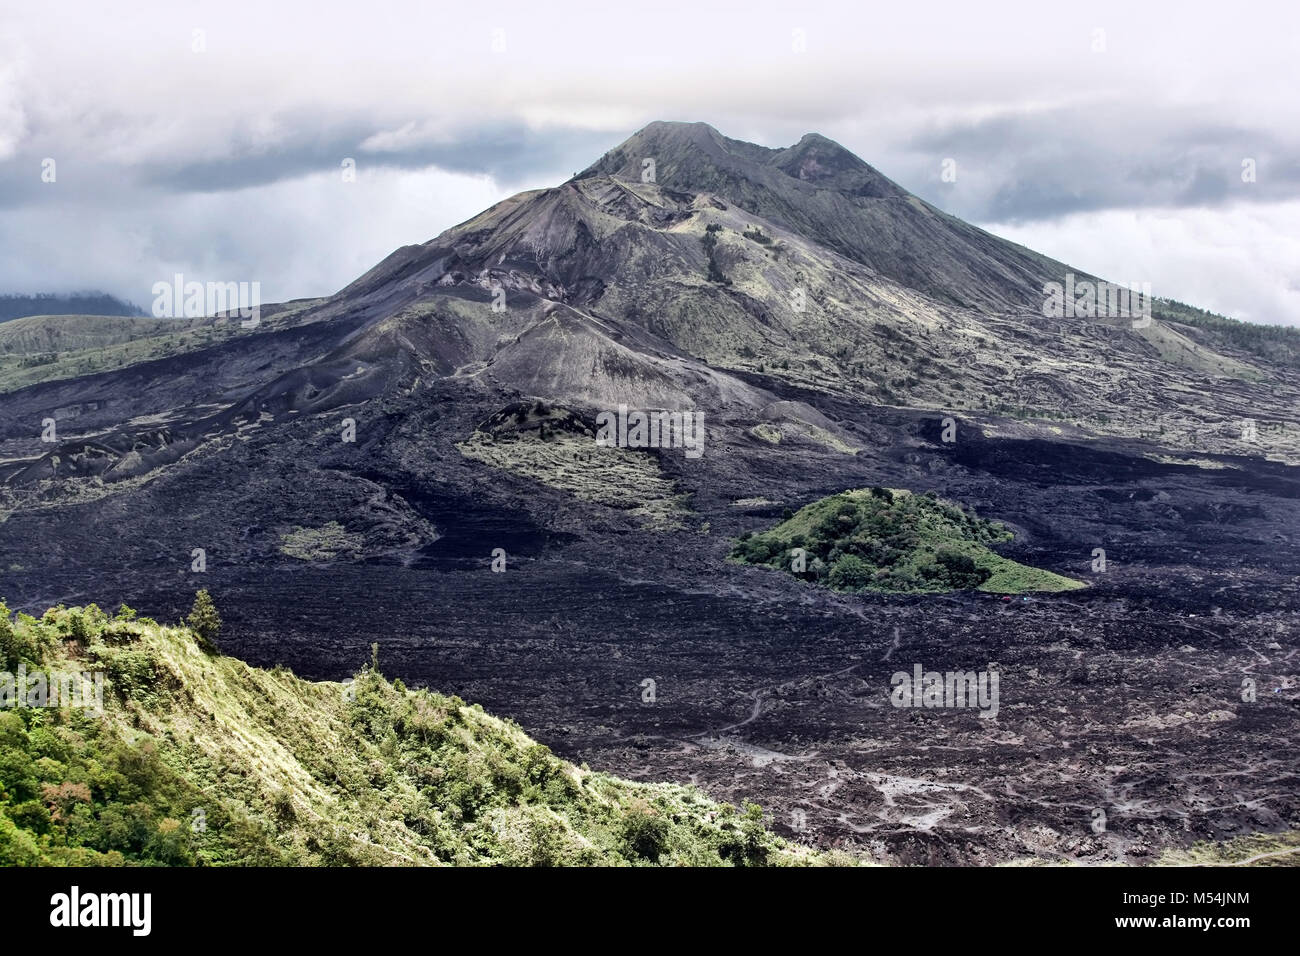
201	759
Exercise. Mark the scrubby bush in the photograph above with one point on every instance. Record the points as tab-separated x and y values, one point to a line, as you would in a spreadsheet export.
960	570
133	673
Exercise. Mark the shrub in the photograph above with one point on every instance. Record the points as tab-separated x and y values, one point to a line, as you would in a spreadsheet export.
132	672
645	835
960	571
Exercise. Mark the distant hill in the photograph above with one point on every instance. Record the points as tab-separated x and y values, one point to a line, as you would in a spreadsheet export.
75	303
36	334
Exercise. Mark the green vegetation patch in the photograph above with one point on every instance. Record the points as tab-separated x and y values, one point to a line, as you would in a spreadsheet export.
46	348
883	539
1276	343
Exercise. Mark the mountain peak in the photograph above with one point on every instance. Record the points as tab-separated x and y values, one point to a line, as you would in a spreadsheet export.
820	160
808	138
696	157
662	127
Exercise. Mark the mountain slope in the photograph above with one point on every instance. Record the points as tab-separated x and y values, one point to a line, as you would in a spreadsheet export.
746	284
802	266
806	266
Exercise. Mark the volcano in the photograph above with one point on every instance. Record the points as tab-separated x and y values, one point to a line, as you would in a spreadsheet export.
420	449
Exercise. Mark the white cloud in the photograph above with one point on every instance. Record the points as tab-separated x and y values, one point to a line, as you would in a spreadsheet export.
117	94
1242	261
307	237
13	118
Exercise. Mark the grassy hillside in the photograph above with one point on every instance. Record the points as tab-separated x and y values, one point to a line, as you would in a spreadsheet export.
42	334
46	348
200	759
883	539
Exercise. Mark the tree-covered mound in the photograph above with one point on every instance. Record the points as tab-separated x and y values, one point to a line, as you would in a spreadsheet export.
200	759
883	539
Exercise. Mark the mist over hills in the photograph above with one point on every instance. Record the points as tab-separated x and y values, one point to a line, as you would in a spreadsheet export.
76	303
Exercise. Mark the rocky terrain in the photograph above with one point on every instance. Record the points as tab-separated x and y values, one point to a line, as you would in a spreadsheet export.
412	462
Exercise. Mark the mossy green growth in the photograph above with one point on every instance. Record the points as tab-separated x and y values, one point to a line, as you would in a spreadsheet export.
888	539
199	759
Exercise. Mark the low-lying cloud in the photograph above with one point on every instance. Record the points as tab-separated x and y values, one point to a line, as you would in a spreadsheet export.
209	138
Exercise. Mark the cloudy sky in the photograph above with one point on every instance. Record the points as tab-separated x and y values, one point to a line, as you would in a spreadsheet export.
207	137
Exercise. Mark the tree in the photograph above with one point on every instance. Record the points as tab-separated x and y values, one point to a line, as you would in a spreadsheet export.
849	573
204	620
959	570
754	833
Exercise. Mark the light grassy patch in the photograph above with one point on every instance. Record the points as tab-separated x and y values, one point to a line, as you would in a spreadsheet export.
1209	464
1177	348
54	347
615	477
321	544
1256	849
